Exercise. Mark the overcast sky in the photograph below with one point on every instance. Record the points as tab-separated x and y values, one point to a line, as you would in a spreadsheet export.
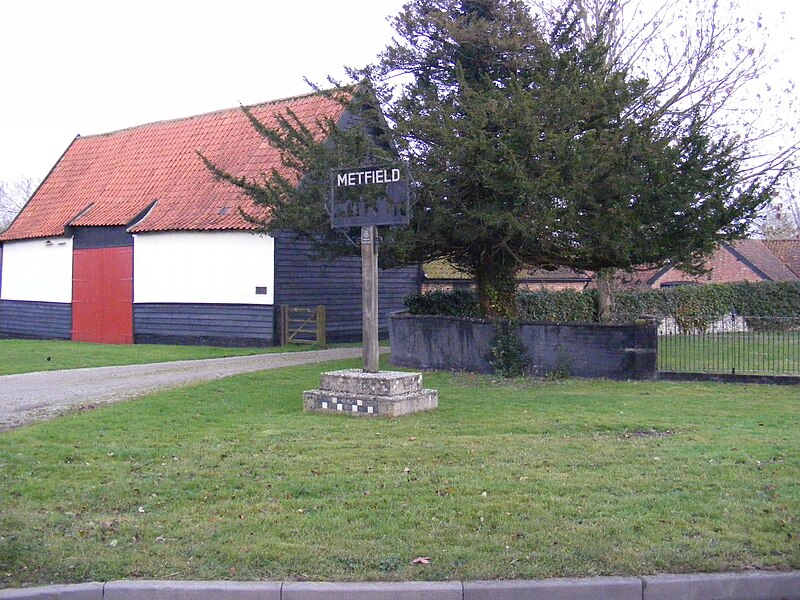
91	66
72	67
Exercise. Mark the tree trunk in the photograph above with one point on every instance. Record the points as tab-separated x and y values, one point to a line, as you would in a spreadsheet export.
605	300
497	293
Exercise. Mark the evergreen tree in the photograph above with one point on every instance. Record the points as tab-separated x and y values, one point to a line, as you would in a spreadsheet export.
529	148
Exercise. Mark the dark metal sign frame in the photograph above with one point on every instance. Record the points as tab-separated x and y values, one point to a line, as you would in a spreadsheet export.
369	195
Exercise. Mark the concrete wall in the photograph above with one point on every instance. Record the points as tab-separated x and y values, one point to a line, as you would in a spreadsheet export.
594	350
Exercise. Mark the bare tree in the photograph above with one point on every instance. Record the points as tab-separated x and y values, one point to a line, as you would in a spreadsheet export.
13	196
781	219
707	58
793	209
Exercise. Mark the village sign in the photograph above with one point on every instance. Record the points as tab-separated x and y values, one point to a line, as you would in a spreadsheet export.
366	197
372	195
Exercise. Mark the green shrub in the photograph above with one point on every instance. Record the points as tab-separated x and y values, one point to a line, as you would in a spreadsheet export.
568	305
455	303
767	299
693	306
764	299
508	355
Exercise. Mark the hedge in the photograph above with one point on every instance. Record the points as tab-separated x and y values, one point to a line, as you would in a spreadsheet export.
766	299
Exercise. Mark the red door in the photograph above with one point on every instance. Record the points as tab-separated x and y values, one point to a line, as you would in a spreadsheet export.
102	295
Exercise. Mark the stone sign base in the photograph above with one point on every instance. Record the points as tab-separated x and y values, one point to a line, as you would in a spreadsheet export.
385	394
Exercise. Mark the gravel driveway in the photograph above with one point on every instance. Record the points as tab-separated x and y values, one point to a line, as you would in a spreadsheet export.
38	396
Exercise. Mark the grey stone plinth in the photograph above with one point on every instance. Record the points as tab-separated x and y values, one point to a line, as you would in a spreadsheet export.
386	393
383	383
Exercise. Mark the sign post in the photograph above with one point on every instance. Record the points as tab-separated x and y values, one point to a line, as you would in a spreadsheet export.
367	197
369	293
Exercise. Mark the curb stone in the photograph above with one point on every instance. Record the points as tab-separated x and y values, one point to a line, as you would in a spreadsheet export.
192	590
723	586
758	585
595	588
401	590
79	591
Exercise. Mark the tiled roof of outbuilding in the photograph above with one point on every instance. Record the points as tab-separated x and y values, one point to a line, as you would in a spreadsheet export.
760	256
788	251
113	178
768	260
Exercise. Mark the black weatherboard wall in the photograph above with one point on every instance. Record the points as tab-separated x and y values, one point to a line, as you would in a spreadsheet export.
99	237
203	324
35	320
302	280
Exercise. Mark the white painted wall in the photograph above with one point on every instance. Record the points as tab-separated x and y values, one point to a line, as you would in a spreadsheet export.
208	267
38	270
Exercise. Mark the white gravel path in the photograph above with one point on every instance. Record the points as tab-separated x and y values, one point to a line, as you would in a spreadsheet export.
31	397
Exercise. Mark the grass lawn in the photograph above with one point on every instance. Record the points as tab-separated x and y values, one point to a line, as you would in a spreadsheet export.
26	356
230	480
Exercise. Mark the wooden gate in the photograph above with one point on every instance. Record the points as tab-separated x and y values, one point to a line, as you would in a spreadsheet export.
302	325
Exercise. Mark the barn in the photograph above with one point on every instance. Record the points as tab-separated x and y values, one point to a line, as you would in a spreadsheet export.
130	239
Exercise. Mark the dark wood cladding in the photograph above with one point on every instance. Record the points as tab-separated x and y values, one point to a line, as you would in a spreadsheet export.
35	320
100	237
240	325
302	280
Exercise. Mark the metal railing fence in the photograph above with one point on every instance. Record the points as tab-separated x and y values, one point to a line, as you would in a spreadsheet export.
730	344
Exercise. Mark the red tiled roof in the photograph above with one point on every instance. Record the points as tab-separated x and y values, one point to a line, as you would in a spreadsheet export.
112	178
788	251
760	256
640	277
764	260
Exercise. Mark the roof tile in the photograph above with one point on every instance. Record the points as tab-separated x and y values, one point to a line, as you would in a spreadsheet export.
118	175
788	251
762	257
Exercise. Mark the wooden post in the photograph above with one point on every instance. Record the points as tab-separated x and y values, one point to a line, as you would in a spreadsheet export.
321	340
284	324
369	292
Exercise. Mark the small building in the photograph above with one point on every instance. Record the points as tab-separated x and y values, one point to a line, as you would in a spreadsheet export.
441	275
130	239
788	251
733	262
